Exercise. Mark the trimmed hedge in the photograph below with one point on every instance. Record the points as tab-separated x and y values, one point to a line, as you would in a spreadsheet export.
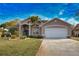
36	37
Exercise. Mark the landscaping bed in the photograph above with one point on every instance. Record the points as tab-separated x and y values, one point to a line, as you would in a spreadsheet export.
75	38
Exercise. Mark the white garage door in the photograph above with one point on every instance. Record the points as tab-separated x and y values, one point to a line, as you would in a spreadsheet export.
56	32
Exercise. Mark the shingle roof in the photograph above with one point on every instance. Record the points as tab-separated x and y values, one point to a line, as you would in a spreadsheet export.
26	20
56	19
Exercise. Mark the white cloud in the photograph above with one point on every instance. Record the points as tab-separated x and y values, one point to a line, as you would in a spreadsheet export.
72	21
62	19
45	18
61	12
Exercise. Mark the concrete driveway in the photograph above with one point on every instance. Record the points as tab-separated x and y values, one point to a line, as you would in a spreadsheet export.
59	47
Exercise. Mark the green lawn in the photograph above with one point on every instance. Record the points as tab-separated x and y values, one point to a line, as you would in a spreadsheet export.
27	47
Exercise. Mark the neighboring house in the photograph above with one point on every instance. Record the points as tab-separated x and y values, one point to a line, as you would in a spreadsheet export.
76	31
55	28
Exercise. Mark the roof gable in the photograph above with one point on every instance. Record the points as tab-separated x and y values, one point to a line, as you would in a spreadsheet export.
26	21
56	21
76	27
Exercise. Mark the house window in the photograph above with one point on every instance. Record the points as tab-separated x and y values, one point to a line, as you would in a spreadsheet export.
36	30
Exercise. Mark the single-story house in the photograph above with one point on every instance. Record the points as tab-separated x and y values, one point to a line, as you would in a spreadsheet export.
32	29
75	31
55	28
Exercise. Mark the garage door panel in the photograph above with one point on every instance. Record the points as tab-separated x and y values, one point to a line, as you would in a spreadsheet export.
56	32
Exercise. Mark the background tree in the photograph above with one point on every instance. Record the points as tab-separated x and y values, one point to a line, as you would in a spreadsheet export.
3	25
10	23
34	18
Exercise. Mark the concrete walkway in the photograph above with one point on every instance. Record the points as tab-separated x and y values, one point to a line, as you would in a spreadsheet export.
59	47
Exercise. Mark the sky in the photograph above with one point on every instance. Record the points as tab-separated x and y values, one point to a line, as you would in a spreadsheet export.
46	11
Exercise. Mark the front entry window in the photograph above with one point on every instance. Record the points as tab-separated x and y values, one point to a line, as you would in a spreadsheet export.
25	32
36	31
25	29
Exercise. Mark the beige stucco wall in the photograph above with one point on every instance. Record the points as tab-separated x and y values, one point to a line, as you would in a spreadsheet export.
58	24
53	24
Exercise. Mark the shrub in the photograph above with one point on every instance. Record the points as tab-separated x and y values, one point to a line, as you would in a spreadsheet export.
1	30
39	37
23	37
68	37
13	36
13	31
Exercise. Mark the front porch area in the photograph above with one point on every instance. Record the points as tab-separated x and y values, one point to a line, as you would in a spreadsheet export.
25	30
